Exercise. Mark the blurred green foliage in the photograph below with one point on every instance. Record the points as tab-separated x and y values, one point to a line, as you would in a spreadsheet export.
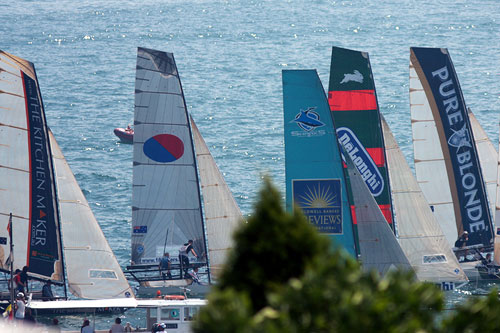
283	276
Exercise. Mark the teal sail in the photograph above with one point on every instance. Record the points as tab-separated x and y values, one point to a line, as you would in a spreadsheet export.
315	179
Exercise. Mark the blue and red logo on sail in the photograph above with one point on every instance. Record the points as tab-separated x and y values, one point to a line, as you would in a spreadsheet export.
164	148
321	202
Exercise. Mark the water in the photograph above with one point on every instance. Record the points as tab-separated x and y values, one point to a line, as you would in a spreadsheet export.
230	55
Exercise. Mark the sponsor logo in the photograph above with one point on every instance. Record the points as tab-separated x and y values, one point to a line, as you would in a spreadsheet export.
164	148
321	202
141	229
474	207
447	286
362	160
460	138
355	76
309	122
140	249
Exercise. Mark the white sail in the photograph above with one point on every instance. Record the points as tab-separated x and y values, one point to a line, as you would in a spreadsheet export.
496	254
420	236
430	167
166	205
27	187
379	247
488	157
222	214
91	267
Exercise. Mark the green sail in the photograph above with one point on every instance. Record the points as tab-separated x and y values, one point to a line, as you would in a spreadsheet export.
355	112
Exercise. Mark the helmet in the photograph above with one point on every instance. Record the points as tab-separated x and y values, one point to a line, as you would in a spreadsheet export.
20	294
159	327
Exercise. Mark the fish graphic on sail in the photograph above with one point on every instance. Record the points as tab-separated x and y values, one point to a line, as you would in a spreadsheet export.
449	173
419	234
27	187
315	180
351	97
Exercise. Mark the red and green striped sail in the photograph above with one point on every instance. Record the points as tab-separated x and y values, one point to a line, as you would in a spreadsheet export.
355	112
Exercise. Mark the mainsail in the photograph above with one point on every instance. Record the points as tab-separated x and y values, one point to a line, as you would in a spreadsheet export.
315	179
419	234
378	245
91	267
222	214
27	188
449	172
166	206
352	96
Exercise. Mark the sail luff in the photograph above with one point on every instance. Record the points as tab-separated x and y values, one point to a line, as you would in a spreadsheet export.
222	214
91	266
419	234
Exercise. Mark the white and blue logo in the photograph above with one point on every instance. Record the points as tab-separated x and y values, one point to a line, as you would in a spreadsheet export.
308	120
362	160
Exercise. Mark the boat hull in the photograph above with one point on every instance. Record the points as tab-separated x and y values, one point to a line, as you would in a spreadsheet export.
124	135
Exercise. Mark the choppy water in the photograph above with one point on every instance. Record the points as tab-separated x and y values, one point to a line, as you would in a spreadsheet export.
230	55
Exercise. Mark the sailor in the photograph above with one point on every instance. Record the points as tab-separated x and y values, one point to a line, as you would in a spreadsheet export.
184	255
165	264
20	306
462	240
47	294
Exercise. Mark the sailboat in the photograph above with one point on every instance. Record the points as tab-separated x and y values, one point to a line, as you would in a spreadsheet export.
419	234
171	161
449	173
47	205
316	179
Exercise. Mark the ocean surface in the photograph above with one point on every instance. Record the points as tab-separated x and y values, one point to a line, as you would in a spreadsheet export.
230	55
